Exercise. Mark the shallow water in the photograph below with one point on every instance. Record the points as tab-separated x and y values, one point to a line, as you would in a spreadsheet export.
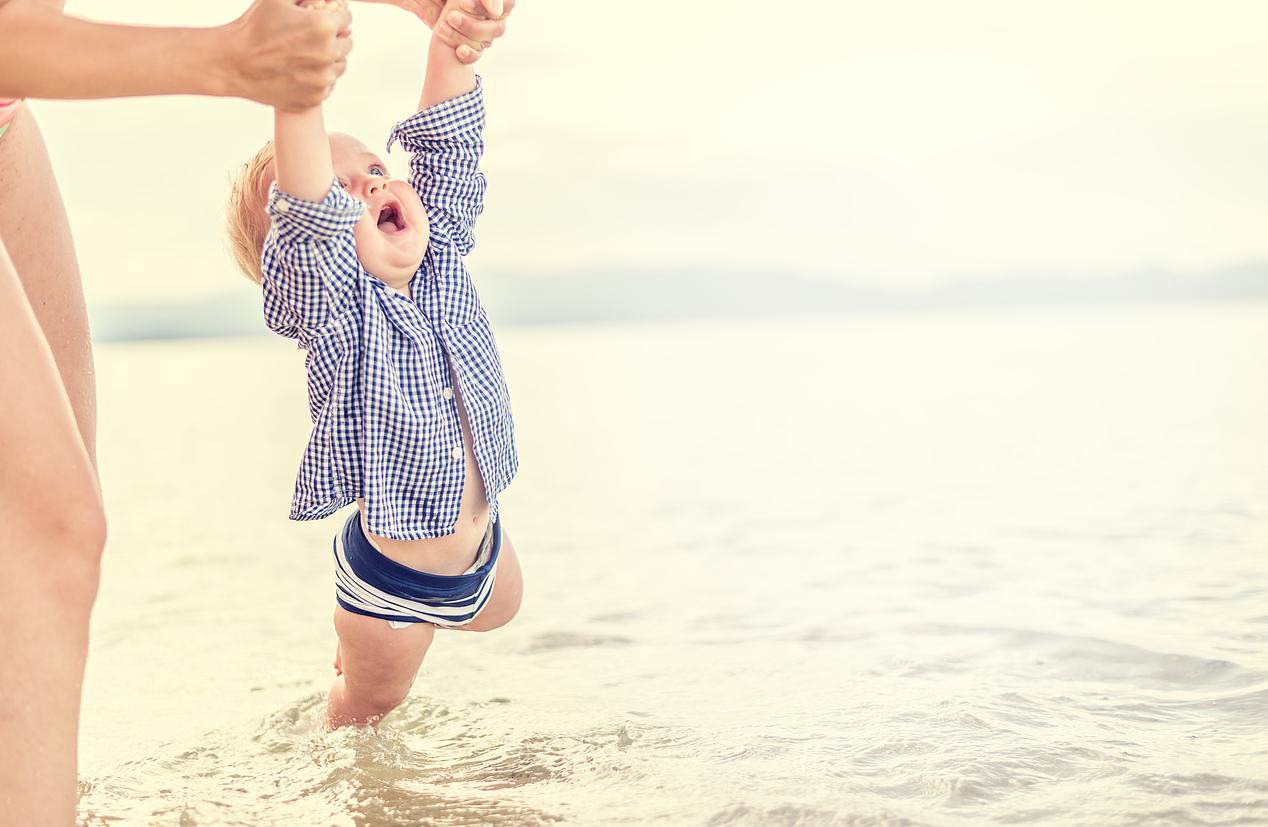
902	570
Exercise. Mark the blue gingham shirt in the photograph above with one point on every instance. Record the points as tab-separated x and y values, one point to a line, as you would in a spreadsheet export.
385	418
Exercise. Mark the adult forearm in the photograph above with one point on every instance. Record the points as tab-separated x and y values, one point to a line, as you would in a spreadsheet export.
275	53
44	54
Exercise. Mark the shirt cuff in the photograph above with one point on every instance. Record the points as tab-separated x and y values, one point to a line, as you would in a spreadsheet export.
299	218
455	116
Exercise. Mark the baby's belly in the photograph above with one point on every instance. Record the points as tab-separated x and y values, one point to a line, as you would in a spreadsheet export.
453	553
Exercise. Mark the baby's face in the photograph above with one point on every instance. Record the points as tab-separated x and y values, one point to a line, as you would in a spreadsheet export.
392	234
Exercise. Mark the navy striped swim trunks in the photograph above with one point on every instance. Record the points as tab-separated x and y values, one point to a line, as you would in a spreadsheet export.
368	583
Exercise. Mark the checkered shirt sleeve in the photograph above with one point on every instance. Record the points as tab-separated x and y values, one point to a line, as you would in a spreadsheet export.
309	265
445	144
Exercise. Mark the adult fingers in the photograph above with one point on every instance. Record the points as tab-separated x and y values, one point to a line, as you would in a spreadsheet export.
343	45
476	31
479	9
467	55
337	69
426	10
454	31
343	17
287	56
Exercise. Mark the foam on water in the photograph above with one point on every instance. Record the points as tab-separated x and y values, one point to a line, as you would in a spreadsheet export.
970	726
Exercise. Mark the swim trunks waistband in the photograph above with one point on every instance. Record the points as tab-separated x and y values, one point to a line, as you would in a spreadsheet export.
369	583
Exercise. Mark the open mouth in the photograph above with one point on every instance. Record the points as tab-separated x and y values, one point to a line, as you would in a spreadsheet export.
390	219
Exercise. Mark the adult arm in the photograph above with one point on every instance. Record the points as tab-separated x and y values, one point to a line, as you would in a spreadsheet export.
275	53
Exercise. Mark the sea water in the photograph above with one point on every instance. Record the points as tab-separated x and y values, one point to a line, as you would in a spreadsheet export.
942	569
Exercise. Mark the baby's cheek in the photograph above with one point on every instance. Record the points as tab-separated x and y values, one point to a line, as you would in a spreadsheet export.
363	233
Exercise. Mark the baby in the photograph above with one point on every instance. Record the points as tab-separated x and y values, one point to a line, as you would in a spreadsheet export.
411	416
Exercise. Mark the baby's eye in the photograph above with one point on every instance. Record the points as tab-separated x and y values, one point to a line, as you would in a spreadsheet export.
343	185
376	170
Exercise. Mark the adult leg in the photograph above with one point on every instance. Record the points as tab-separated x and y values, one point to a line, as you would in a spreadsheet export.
377	667
52	530
52	524
34	229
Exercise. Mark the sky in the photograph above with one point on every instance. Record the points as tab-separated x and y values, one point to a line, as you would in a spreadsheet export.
899	145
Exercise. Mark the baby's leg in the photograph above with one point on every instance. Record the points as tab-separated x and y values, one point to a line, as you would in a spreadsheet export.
378	666
508	590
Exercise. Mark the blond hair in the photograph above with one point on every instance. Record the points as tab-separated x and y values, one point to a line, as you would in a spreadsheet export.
245	219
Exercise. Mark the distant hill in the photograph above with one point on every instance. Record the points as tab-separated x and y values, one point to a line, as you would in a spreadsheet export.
631	296
232	314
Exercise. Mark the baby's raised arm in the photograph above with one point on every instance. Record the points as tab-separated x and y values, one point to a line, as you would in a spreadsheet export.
302	164
449	73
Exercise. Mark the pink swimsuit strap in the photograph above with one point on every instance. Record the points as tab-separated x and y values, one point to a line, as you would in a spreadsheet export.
7	110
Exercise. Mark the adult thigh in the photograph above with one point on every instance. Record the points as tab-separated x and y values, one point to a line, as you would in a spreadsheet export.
35	231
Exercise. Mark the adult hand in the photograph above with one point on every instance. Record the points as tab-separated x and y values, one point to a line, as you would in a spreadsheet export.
476	27
286	56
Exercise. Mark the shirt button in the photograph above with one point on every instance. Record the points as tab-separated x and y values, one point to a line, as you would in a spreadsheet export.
282	206
456	453
447	393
